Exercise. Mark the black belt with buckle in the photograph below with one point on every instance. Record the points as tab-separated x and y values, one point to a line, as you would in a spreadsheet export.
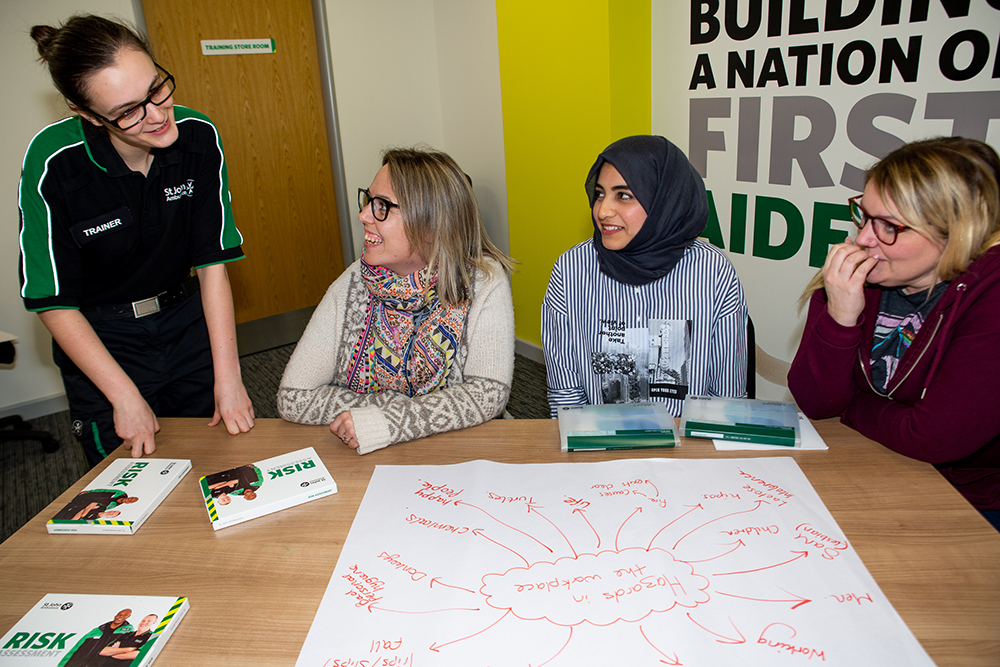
144	307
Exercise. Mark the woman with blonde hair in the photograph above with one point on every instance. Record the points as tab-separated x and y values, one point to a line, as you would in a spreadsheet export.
903	322
416	337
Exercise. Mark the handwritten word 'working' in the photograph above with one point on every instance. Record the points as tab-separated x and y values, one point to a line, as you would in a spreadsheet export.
785	647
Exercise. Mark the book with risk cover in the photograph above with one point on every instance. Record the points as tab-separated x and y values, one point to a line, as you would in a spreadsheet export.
89	630
121	497
741	419
255	489
616	426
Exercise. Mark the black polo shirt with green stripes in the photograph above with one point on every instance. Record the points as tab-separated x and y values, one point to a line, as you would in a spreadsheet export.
94	232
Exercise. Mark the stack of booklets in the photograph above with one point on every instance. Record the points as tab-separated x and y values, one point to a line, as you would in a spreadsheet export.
87	630
741	419
121	497
616	426
255	489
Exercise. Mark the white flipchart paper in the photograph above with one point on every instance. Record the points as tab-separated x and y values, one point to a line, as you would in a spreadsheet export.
637	562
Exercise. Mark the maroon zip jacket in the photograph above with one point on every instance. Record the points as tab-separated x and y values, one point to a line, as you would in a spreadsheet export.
943	402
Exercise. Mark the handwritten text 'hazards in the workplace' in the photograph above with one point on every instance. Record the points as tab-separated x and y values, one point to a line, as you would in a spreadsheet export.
648	562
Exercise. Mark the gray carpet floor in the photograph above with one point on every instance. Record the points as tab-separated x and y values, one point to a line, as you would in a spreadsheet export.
31	479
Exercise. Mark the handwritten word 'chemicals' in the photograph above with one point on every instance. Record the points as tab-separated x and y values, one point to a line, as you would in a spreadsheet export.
415	575
438	493
458	530
364	587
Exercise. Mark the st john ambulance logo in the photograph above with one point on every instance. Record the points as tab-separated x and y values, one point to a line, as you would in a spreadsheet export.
178	191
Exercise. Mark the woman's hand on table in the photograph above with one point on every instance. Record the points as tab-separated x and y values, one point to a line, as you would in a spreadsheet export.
233	408
343	428
136	424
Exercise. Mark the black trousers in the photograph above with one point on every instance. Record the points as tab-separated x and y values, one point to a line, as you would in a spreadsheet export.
168	357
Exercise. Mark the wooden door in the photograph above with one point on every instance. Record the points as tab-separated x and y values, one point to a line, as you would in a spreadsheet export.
269	111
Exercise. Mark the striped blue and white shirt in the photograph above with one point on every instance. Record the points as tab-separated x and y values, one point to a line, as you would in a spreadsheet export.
608	342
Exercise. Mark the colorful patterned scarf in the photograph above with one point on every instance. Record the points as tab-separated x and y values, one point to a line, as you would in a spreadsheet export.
410	338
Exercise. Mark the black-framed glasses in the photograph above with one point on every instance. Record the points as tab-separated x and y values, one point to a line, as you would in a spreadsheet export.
885	231
380	205
134	115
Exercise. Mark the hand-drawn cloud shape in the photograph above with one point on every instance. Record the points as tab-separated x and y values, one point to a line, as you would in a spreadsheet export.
600	588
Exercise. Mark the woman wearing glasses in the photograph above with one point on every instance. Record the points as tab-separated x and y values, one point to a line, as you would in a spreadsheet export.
118	203
901	336
416	337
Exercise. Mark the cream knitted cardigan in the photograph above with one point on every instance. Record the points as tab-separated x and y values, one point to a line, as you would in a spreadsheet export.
313	388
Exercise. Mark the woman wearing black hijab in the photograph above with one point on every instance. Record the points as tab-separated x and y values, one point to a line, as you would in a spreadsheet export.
644	310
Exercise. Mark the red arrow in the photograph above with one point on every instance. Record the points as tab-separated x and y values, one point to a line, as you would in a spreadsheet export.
437	647
429	611
799	600
725	639
739	543
462	502
532	508
438	579
478	532
801	554
696	507
756	506
669	661
560	650
583	513
637	509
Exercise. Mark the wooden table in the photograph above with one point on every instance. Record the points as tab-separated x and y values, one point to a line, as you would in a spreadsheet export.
255	587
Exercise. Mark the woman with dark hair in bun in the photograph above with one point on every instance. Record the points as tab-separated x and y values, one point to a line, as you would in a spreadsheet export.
118	203
645	310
